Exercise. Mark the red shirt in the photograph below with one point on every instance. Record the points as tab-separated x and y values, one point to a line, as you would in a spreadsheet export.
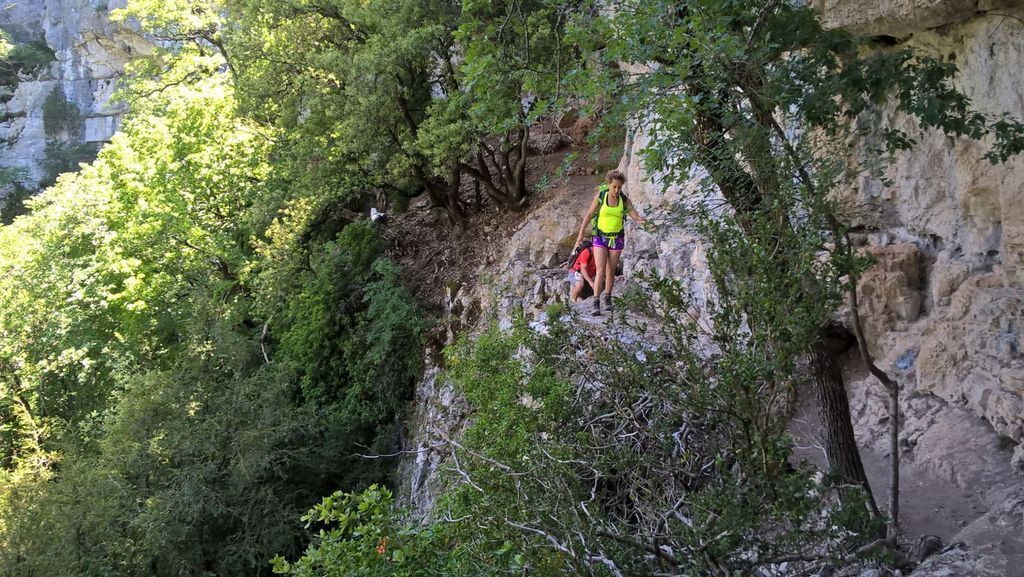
586	259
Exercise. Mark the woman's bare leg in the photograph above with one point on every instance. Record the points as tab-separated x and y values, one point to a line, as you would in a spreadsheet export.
613	265
601	258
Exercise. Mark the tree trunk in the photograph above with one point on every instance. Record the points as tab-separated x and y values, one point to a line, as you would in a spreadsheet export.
518	183
444	194
834	410
501	173
894	462
482	175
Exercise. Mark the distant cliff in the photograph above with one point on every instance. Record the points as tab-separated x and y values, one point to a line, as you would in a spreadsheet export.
59	65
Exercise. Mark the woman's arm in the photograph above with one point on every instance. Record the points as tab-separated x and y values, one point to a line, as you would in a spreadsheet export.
586	219
634	215
586	276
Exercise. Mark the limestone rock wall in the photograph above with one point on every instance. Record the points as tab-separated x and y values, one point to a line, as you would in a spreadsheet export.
90	56
946	300
944	306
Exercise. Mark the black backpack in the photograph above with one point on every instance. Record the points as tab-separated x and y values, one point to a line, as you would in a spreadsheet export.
584	246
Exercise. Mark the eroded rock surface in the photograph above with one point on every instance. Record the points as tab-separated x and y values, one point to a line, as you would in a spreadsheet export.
91	53
944	305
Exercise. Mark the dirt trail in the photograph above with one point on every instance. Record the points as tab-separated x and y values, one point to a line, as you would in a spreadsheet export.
928	505
436	255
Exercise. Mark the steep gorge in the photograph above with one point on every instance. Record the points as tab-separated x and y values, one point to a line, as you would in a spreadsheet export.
944	304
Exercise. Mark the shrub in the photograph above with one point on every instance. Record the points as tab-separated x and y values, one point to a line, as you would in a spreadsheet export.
60	116
18	60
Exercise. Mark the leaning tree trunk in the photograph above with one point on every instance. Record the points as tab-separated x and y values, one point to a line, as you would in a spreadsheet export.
445	194
741	191
516	163
834	410
501	170
439	198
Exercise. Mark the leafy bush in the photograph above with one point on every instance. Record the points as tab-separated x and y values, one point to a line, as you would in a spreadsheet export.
583	455
366	534
355	337
60	115
18	60
15	194
62	157
200	469
179	377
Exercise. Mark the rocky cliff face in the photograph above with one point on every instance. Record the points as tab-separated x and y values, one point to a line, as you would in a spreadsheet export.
944	305
89	55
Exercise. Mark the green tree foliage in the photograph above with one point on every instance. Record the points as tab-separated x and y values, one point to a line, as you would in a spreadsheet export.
349	84
190	358
513	71
109	257
60	116
399	96
21	60
199	469
351	332
367	534
64	157
63	125
15	193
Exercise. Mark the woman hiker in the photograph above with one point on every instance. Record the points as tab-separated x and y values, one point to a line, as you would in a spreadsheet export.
611	207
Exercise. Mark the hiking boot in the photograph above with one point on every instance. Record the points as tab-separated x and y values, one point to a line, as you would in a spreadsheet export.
607	298
597	306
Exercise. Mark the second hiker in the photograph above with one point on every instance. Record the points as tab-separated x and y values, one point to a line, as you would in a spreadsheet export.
606	219
582	271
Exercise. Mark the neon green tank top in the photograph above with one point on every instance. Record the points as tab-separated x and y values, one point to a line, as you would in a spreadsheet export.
610	218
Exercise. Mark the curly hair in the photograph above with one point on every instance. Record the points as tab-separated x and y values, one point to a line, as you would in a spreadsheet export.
615	174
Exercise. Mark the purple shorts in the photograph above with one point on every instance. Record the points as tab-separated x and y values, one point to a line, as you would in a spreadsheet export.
611	243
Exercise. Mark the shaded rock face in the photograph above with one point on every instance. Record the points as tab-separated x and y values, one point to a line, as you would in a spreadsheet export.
999	535
439	415
900	18
22	20
90	54
991	546
944	305
960	562
958	341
